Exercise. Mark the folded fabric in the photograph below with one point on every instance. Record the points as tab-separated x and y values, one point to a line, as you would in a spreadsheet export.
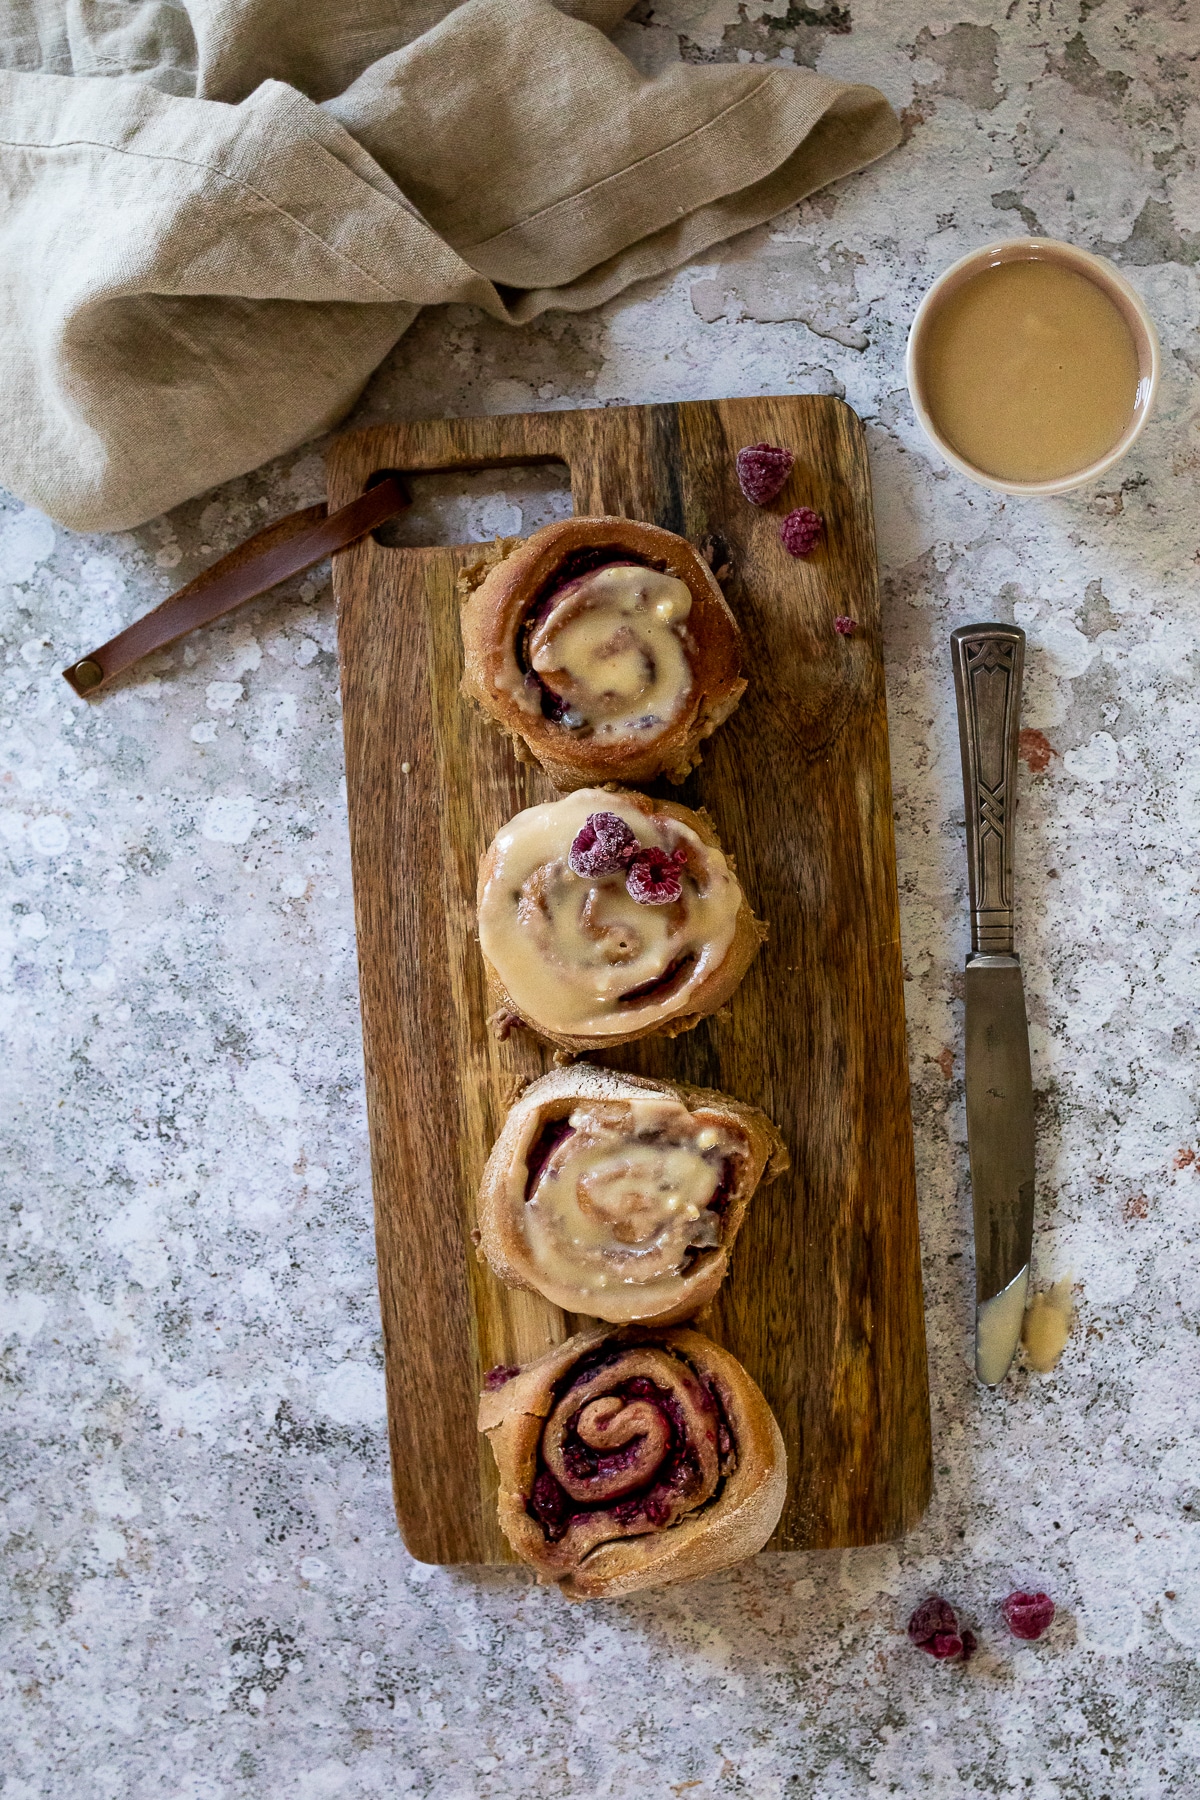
218	216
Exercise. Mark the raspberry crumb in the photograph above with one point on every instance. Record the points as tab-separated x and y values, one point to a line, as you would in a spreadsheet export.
653	878
762	470
801	531
845	627
550	1506
1028	1615
934	1629
499	1376
604	846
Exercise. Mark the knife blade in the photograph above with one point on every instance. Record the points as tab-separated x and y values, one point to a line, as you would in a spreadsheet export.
988	663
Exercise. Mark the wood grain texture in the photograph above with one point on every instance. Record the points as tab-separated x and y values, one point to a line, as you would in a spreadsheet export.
824	1301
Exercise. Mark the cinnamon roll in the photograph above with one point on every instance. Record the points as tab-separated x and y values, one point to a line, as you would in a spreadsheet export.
605	917
632	1458
605	647
621	1197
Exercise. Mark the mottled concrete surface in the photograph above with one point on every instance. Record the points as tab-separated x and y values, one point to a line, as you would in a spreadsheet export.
207	1598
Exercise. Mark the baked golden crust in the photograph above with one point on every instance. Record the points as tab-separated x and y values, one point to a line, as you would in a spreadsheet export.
601	1552
493	620
696	1001
503	1241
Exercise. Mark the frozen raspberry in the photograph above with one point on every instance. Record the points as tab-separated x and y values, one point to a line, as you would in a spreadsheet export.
801	531
1028	1615
604	846
653	878
497	1377
934	1629
845	627
762	470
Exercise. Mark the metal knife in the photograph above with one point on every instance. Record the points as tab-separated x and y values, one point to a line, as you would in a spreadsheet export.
989	661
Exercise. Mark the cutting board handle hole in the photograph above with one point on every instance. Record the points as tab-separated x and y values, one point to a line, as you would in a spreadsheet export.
473	506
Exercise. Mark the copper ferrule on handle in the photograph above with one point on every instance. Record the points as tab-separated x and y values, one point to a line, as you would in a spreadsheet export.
989	661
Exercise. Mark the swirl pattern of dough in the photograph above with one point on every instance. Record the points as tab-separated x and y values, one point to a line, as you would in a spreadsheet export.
611	653
621	1197
628	1459
605	647
581	960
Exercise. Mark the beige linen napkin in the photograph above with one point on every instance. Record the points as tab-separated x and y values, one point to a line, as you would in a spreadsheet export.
217	216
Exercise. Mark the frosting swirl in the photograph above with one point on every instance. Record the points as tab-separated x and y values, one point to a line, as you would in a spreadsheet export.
579	954
609	653
620	1198
603	646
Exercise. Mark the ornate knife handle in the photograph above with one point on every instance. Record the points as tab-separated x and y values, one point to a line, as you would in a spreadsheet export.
989	661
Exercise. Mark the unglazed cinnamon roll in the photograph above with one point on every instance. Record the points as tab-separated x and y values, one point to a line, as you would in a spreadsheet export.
608	917
632	1458
606	647
621	1197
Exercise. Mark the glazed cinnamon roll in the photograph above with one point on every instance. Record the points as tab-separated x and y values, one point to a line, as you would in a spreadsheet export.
609	917
606	648
632	1458
621	1197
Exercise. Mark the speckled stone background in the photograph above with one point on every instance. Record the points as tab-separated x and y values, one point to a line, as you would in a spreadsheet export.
206	1595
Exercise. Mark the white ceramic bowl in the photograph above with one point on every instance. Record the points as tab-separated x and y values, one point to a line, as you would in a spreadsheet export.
1106	277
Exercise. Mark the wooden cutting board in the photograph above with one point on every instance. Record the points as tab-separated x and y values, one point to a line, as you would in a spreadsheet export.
824	1303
